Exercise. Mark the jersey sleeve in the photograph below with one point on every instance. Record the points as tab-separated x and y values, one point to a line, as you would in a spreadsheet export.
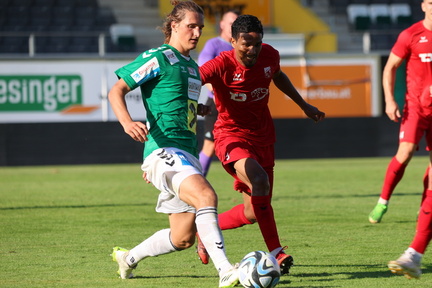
401	48
210	69
144	68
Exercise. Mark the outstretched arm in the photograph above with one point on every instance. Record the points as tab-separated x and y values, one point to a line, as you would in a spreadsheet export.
135	129
283	83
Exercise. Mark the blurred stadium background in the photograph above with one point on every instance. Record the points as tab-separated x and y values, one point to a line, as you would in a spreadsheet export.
57	59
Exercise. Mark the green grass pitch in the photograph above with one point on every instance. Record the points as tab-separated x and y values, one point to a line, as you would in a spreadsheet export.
59	223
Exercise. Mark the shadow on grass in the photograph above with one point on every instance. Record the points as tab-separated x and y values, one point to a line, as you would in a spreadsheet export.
327	277
382	272
394	194
70	206
340	196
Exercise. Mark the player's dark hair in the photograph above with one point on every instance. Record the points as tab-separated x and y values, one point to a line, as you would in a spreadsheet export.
177	15
246	24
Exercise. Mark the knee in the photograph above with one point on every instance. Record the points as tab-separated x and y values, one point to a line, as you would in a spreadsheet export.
405	153
183	243
260	185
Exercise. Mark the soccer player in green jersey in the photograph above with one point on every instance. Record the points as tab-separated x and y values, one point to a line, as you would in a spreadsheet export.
170	86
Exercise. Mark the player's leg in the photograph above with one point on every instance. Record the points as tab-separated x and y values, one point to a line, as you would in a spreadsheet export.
251	173
180	236
197	192
412	129
394	174
236	217
239	215
409	263
260	206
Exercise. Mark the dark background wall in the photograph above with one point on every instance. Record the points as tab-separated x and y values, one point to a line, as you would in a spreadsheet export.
105	142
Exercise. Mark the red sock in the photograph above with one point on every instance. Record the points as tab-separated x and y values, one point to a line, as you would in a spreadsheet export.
424	225
394	174
233	218
265	218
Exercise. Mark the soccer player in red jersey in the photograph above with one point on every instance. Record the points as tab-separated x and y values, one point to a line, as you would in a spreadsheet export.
244	131
415	46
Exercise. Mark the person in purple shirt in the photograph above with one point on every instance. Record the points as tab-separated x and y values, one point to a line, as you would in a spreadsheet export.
211	49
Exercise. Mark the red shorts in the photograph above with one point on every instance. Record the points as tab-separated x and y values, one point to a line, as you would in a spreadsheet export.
231	149
414	125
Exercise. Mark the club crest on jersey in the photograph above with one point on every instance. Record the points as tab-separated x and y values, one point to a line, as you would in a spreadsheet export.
267	72
259	94
172	58
192	71
237	77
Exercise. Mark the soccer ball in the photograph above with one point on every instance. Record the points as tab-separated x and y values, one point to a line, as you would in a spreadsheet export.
259	269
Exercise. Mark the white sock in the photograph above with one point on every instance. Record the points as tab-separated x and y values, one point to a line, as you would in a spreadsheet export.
211	236
383	201
157	244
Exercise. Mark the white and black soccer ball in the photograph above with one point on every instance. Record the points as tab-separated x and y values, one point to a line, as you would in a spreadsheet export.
259	269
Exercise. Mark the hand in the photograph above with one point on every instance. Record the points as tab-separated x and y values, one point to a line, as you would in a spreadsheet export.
137	130
313	113
203	110
392	111
144	176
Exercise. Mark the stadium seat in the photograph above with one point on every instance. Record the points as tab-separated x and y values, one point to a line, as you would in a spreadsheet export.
123	36
48	3
339	6
104	19
63	11
22	12
84	24
39	24
85	11
57	44
83	44
4	4
70	16
25	3
358	16
401	14
11	44
380	16
363	2
15	24
381	2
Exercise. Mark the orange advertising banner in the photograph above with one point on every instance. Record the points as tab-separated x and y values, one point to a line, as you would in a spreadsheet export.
339	87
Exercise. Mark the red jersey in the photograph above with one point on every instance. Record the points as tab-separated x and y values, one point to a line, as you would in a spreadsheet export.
241	95
415	45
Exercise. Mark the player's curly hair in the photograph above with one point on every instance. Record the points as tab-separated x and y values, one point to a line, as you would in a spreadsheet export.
245	24
178	14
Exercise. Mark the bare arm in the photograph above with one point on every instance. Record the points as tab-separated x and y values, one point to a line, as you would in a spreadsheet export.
283	83
388	81
135	129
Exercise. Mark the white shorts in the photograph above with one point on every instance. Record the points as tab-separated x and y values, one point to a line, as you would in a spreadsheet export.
166	169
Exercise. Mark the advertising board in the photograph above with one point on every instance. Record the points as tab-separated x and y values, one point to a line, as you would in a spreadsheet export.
73	90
